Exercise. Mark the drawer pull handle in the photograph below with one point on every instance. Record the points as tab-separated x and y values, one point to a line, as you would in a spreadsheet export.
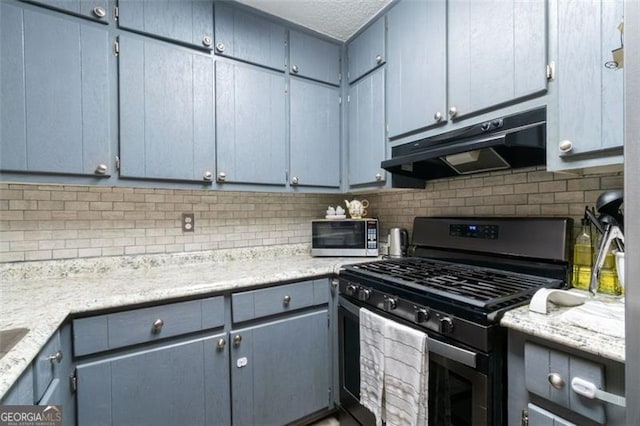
287	300
157	326
220	345
556	380
55	357
236	340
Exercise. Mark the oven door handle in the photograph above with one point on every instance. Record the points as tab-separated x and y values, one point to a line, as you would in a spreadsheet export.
446	350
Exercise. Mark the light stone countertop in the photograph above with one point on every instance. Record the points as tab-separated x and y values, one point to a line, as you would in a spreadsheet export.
41	295
553	328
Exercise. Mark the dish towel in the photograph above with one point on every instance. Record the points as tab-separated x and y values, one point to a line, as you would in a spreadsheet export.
394	371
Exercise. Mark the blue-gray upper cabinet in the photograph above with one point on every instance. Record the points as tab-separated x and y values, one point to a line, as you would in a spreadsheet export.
367	134
585	119
179	383
94	9
315	134
314	58
497	53
250	120
416	65
251	38
185	21
280	371
166	111
55	93
367	50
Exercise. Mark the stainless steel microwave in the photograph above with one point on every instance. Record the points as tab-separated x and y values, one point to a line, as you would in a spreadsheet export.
344	237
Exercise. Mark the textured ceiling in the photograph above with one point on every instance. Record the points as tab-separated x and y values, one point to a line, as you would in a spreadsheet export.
336	18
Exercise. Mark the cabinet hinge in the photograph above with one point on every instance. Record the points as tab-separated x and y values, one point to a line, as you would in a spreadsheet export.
116	48
73	382
348	98
524	419
329	395
551	70
286	89
339	100
116	13
339	76
328	321
334	287
117	163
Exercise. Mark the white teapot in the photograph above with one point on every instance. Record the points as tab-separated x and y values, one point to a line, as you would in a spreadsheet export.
357	209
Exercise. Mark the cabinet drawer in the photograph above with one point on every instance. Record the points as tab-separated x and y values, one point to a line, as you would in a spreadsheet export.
544	366
274	300
121	329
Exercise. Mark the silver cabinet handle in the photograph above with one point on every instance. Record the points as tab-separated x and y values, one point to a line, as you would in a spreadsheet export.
99	12
556	380
295	69
453	111
220	345
437	116
220	46
101	169
287	300
206	41
55	357
236	340
565	146
157	326
378	59
378	177
295	180
222	176
208	176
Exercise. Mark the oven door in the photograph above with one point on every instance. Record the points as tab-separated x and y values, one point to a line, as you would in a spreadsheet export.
459	392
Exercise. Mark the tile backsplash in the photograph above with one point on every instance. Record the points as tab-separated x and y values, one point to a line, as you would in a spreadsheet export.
523	192
41	222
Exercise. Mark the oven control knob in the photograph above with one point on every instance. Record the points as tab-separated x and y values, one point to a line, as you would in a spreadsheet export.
389	303
364	294
446	325
421	315
351	290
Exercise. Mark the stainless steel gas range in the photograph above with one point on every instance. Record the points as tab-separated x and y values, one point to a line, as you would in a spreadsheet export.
463	274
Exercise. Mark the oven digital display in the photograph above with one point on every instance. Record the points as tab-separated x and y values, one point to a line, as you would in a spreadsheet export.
489	232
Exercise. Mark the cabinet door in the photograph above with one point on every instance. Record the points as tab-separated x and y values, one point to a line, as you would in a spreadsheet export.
416	65
315	134
540	417
94	9
176	384
186	21
590	96
280	370
248	37
166	111
250	115
314	58
497	52
21	392
367	51
55	93
366	130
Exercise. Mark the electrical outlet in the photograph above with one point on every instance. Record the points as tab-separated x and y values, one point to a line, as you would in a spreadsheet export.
188	222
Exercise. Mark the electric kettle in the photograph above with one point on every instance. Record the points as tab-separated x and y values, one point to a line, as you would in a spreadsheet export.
398	242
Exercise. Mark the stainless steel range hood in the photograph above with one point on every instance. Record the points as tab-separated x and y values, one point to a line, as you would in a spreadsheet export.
508	142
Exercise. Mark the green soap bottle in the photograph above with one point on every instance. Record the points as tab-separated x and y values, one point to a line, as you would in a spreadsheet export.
582	258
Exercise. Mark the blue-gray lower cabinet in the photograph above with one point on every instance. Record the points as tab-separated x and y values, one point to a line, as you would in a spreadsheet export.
367	135
416	66
177	383
55	93
250	124
166	111
315	134
94	9
280	370
186	21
